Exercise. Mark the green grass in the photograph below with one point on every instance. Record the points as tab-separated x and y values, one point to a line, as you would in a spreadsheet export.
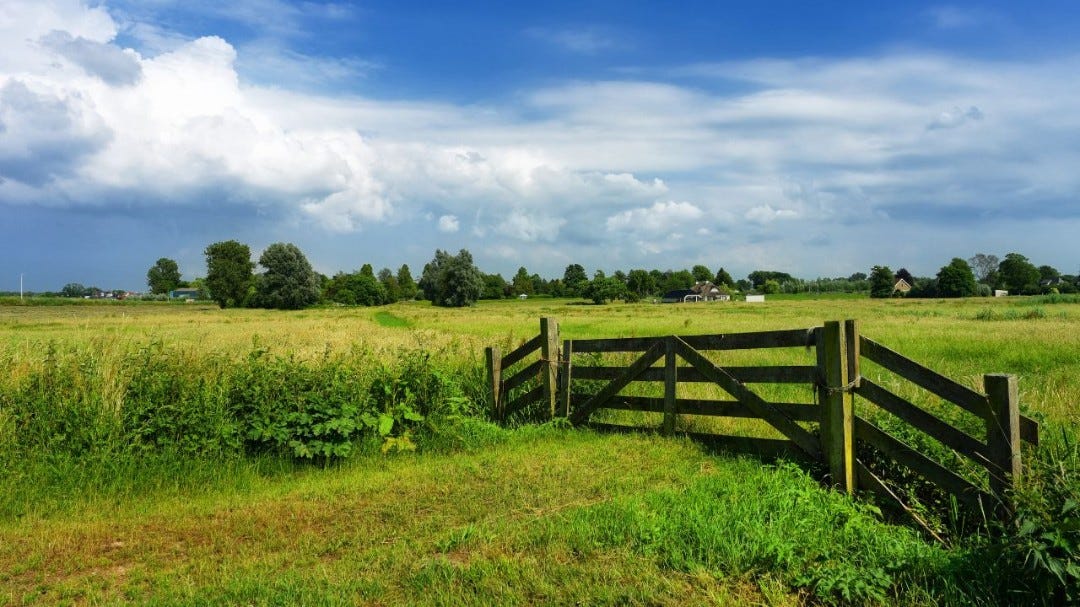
547	517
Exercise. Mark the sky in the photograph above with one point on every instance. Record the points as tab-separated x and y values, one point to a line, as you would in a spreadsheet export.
817	139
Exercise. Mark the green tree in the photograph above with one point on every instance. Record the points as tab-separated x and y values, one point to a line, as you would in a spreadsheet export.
723	278
522	282
406	283
575	280
163	276
494	287
640	283
229	273
355	289
906	276
882	282
390	285
452	281
771	287
956	279
701	273
73	289
603	289
984	266
1018	275
288	282
673	281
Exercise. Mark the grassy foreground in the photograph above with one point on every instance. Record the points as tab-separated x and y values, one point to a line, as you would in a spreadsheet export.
544	516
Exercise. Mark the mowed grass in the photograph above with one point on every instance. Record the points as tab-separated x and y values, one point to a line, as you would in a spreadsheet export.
547	516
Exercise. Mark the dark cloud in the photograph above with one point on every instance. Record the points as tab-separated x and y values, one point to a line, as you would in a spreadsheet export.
105	61
44	137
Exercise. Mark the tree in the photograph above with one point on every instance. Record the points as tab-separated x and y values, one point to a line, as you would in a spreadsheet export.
523	283
906	276
494	287
452	281
882	282
355	289
640	283
723	278
390	285
1018	275
163	276
701	273
603	289
857	276
575	280
984	266
674	281
956	279
406	283
1048	273
288	282
73	289
758	277
229	273
771	287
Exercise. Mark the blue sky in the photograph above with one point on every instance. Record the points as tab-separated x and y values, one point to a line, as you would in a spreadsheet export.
813	138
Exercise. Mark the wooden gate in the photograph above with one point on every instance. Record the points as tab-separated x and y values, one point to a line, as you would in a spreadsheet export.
825	430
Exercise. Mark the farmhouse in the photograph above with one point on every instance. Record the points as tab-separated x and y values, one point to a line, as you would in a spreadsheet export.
184	293
701	291
901	287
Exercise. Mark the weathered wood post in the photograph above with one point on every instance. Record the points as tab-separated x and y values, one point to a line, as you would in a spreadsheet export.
494	375
1003	436
837	413
549	354
565	378
671	381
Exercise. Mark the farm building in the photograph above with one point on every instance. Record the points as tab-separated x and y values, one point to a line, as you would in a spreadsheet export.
901	287
184	293
701	291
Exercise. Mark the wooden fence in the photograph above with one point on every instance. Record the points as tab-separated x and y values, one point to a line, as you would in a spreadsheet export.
835	353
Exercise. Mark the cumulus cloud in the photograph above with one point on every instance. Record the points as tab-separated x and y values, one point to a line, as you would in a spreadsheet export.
661	217
113	65
766	214
955	117
449	224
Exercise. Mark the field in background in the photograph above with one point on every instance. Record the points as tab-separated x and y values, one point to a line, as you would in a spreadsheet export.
1030	337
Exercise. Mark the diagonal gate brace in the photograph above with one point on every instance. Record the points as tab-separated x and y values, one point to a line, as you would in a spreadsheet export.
776	418
653	354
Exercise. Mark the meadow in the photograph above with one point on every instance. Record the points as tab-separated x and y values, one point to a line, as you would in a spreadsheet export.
128	479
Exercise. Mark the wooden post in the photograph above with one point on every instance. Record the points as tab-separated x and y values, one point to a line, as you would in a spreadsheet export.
837	415
565	379
494	376
549	353
671	380
1003	435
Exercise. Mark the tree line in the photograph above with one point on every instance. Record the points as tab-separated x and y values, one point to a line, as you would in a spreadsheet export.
979	275
282	278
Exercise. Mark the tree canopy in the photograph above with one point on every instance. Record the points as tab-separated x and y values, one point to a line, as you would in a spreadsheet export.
452	281
163	276
1018	275
229	273
956	280
288	282
882	281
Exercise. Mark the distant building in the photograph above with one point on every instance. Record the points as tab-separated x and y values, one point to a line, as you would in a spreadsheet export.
701	291
755	299
1000	293
184	293
901	287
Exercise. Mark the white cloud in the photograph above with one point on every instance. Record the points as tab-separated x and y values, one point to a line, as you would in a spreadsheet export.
449	224
660	218
582	40
767	214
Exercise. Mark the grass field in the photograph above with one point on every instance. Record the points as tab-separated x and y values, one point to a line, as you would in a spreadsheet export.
478	514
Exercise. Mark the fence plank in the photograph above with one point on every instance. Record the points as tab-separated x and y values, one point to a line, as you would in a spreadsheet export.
549	356
778	420
802	412
746	375
1003	435
522	376
671	382
951	437
932	471
1029	430
837	438
931	380
531	397
494	376
524	350
788	338
647	359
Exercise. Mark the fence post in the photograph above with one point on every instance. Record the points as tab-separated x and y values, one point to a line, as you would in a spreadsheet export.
494	376
670	382
837	415
564	386
549	353
1003	435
